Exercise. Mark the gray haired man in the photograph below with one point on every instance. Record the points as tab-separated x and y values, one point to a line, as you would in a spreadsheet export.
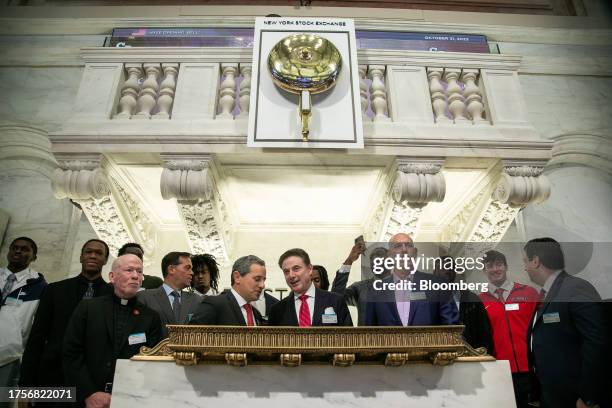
233	307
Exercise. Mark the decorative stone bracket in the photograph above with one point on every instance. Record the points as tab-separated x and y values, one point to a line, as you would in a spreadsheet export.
85	182
418	181
522	184
187	179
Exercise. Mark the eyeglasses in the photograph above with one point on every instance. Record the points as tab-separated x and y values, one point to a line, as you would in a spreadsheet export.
398	245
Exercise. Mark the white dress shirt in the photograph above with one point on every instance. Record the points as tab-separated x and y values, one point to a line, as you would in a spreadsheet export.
310	300
506	286
241	303
169	290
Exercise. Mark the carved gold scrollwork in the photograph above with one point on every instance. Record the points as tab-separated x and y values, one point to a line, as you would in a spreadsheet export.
160	352
236	359
185	358
343	360
396	359
291	360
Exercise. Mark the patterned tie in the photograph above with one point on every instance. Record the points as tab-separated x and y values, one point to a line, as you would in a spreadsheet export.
304	311
249	311
176	306
89	293
500	294
7	286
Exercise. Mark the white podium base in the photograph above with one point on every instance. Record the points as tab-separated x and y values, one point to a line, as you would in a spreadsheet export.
164	384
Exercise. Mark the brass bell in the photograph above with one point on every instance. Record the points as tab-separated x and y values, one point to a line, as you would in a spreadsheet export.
304	64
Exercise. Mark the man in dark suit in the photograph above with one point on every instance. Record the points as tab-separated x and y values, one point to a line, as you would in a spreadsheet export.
472	314
106	328
174	305
567	337
42	358
264	304
408	307
233	307
306	306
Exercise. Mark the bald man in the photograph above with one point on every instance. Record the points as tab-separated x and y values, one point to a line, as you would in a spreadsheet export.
106	328
409	306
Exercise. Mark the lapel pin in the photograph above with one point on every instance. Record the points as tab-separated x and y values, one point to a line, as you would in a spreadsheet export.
136	312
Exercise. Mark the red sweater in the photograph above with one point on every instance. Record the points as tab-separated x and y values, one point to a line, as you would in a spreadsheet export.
509	324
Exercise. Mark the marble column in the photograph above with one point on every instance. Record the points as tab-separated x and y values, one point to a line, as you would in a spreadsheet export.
26	197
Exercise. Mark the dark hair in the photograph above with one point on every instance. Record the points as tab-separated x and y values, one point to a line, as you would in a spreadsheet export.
172	258
30	240
96	240
548	250
323	274
243	265
123	249
494	256
210	262
299	252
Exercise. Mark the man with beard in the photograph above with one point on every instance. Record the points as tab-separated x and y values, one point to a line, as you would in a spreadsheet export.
42	360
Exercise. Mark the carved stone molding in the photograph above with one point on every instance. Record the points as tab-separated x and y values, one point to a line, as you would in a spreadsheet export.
186	179
522	184
402	218
494	222
21	142
419	181
584	149
105	219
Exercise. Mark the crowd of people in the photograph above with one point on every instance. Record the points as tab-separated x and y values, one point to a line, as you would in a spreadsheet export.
71	332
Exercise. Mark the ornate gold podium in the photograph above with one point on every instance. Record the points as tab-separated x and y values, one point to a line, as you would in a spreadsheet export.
293	346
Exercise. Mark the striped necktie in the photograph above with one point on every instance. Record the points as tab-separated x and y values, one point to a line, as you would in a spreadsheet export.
8	286
304	311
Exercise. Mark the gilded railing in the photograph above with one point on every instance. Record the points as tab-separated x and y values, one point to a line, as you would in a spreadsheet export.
291	346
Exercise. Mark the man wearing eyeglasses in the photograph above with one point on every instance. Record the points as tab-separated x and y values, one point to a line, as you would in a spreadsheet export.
406	304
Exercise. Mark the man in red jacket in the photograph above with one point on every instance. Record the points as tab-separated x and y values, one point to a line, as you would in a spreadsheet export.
510	306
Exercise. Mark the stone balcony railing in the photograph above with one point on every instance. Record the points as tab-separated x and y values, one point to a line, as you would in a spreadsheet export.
177	96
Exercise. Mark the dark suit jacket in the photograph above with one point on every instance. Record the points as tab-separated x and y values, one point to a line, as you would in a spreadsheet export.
222	310
569	351
438	308
355	295
157	300
42	359
473	315
89	345
283	313
270	301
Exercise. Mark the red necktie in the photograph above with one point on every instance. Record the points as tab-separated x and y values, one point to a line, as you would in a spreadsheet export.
249	310
500	294
541	299
304	311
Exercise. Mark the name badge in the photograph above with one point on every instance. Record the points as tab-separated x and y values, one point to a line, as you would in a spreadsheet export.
551	317
418	296
329	316
137	338
511	306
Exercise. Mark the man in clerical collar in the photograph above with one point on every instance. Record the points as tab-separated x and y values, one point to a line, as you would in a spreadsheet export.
42	362
21	288
306	306
105	329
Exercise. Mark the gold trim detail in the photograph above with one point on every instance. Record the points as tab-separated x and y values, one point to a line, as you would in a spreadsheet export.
291	360
236	359
343	360
292	346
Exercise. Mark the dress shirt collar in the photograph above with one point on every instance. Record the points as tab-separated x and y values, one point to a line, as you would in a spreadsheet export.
20	277
169	290
96	282
310	292
551	279
506	286
239	299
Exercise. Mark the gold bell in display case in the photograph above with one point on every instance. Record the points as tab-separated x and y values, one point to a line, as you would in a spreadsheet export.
304	64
